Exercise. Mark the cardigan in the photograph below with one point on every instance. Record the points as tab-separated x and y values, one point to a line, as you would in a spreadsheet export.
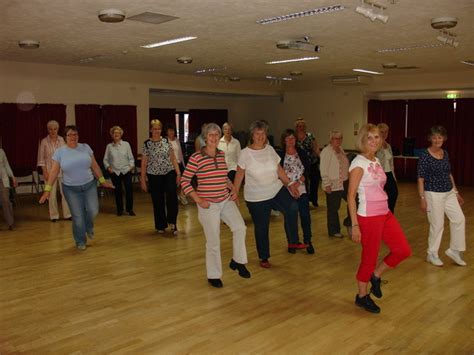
5	170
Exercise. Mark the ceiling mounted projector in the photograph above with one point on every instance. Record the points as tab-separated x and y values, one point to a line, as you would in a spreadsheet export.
298	45
111	15
28	44
440	23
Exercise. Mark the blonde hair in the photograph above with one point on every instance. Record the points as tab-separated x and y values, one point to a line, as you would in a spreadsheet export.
383	126
52	123
333	133
116	128
300	120
155	122
363	136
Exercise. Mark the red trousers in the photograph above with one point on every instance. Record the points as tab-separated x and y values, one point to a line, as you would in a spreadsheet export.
374	230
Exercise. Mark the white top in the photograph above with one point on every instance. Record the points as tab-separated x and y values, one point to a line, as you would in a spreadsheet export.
333	173
119	157
232	152
372	197
261	173
178	153
5	170
386	159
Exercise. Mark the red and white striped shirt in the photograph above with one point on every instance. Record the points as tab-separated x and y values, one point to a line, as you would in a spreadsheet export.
211	173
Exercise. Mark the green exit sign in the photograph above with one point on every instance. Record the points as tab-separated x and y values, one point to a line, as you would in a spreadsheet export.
451	96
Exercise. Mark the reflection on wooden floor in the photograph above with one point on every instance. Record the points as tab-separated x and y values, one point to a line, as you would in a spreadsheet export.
139	292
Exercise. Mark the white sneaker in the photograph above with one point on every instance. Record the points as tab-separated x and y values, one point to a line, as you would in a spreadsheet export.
275	213
434	259
81	247
455	256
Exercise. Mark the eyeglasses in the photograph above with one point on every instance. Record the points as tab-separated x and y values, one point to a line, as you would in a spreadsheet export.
72	135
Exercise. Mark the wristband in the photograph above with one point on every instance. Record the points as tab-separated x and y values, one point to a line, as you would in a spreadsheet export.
355	225
101	180
47	188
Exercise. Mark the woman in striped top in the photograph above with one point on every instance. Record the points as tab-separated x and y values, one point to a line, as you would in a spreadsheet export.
215	202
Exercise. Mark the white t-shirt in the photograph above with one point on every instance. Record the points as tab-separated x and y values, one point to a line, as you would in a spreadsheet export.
261	173
372	197
231	151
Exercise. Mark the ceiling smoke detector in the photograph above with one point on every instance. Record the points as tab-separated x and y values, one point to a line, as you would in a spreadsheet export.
111	15
440	23
184	60
28	44
389	65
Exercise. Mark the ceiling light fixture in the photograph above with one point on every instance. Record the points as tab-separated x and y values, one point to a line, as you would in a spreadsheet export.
367	71
170	41
441	23
408	48
447	38
292	60
370	13
111	15
184	60
28	44
210	70
468	62
318	11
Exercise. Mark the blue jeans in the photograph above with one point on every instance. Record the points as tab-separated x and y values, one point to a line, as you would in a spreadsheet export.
260	212
305	217
84	206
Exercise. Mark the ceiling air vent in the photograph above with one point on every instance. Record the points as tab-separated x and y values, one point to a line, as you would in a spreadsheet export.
351	80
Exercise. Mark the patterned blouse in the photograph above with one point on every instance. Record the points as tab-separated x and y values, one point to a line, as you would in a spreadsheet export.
435	172
158	154
307	145
294	169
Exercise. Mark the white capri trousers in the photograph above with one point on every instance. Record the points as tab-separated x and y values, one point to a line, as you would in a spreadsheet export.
438	204
53	201
210	219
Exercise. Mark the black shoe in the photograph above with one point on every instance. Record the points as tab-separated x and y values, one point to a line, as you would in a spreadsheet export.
310	248
243	272
54	220
10	228
375	288
292	250
367	303
119	213
131	213
217	283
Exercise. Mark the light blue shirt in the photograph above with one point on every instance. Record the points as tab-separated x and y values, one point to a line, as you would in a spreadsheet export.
76	164
119	157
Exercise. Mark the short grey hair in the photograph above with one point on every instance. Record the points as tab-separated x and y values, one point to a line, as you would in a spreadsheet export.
259	124
52	123
227	124
211	127
334	133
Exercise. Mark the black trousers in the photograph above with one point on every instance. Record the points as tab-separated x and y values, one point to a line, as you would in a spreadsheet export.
333	201
117	180
392	191
314	178
231	175
165	200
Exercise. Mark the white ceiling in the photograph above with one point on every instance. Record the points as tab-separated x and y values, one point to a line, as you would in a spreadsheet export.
228	35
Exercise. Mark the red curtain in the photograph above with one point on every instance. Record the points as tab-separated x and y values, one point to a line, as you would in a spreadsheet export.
88	122
48	112
462	141
393	114
198	117
124	116
423	114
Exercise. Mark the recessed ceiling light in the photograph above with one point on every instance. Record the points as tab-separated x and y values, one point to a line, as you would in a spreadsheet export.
468	62
210	70
389	65
367	71
234	78
296	73
320	10
292	60
170	41
278	78
408	48
28	44
184	60
111	15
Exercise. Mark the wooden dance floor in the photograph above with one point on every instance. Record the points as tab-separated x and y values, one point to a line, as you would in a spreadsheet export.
134	291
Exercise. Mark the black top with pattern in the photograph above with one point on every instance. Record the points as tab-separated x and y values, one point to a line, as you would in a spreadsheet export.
435	172
158	154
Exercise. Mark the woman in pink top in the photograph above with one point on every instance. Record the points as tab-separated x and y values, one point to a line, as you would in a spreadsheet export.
372	221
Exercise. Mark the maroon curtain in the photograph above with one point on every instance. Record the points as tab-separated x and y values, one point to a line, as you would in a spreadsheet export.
167	117
88	122
48	112
124	116
198	117
392	113
423	114
462	141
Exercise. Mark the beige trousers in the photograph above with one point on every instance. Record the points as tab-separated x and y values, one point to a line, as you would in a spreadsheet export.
53	201
6	204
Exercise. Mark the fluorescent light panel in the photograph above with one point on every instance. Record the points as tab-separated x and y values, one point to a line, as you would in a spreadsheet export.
277	78
408	48
367	71
468	62
170	41
292	60
320	10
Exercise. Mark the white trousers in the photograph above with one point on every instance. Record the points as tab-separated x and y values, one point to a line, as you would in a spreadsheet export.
438	204
210	219
53	201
